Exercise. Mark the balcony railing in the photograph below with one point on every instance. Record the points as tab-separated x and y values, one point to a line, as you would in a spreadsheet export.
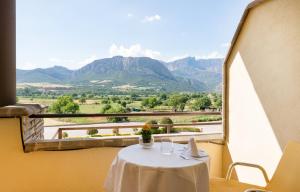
116	139
116	128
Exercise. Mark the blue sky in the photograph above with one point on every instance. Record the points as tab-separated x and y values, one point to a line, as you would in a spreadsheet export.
72	33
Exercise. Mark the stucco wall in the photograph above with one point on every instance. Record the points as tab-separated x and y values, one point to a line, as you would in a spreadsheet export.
62	171
263	87
78	170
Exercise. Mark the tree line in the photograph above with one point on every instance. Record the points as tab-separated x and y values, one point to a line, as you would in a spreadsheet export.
120	104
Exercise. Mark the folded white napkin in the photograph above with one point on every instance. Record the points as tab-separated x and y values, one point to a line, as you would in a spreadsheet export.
192	148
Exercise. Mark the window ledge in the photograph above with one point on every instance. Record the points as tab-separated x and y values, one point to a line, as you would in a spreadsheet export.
20	110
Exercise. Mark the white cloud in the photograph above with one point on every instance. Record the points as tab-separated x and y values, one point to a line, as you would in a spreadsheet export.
212	55
135	50
152	18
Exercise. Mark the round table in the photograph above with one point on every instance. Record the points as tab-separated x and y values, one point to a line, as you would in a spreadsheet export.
147	170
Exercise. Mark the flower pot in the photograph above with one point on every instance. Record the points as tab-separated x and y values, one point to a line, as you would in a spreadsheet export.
146	143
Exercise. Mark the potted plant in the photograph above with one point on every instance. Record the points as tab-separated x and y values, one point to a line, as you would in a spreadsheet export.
146	139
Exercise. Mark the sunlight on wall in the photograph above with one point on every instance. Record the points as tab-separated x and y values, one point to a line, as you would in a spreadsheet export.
251	135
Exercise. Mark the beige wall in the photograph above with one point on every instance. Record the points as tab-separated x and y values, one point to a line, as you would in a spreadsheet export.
263	89
61	171
78	170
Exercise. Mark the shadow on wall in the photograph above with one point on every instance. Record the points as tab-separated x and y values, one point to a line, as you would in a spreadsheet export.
264	87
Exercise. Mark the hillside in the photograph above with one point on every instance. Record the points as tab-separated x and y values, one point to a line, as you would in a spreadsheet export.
186	74
208	71
54	74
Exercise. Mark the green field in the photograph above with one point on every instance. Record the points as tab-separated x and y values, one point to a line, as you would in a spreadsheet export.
94	106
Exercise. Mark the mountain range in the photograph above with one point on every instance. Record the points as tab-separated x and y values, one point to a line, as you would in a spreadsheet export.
187	74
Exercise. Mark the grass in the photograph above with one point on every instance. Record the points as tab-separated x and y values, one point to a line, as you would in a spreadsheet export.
84	120
210	118
91	107
46	102
135	104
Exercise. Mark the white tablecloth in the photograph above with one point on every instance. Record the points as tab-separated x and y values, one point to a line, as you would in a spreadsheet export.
147	170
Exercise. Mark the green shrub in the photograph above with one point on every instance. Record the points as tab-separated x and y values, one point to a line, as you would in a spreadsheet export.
92	132
65	135
152	123
156	131
168	121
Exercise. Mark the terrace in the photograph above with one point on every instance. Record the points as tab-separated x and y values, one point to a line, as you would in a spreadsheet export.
260	112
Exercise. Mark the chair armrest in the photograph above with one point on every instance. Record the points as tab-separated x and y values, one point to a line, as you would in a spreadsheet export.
229	172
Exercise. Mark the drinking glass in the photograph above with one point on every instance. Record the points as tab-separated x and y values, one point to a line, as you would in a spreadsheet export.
166	146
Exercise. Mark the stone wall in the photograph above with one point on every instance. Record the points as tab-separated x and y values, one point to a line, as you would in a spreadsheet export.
32	128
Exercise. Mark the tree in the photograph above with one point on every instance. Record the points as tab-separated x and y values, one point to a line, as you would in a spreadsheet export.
145	102
150	102
201	103
74	95
163	97
105	107
105	101
64	104
217	101
114	109
123	103
115	99
178	101
182	106
90	96
82	100
134	96
27	92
